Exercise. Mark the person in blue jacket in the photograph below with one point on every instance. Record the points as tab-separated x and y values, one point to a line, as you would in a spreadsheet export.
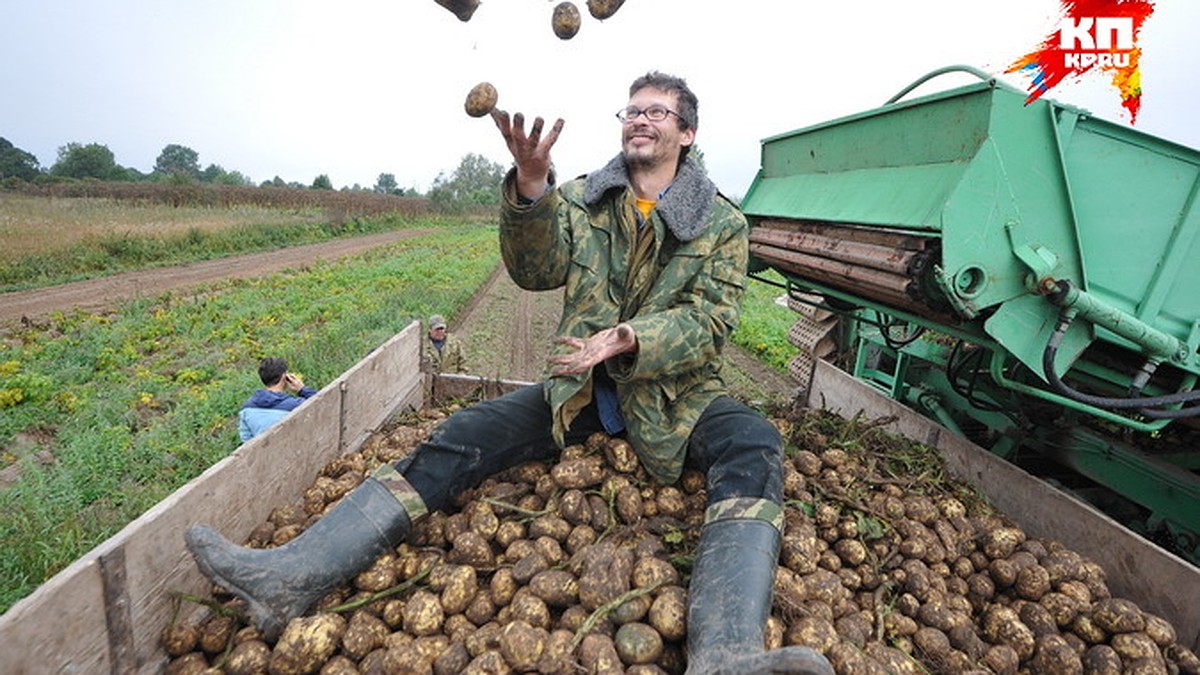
282	393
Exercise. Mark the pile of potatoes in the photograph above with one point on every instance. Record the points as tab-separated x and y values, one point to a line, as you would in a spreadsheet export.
582	566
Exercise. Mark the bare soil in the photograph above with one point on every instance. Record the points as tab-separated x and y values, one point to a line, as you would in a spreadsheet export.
506	332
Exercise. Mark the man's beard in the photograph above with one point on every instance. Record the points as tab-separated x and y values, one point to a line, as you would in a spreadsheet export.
635	160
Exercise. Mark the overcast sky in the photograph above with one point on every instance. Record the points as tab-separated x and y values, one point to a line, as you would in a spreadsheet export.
355	88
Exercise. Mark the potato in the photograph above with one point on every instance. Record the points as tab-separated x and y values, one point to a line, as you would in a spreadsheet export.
556	654
1183	658
1117	615
557	588
565	20
306	643
381	575
470	548
654	572
629	504
1134	646
618	452
481	100
522	645
638	643
603	9
364	634
606	574
529	566
598	654
893	660
813	632
1002	625
460	589
178	639
530	608
423	614
1052	655
215	634
573	506
668	613
248	658
633	609
579	473
192	663
463	9
1002	660
1160	630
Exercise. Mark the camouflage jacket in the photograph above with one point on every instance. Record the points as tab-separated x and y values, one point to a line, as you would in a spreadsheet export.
447	360
683	304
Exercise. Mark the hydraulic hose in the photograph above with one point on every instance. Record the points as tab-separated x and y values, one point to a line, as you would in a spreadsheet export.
1144	404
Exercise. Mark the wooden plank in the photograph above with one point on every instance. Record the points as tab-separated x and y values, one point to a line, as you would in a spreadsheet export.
378	385
1156	580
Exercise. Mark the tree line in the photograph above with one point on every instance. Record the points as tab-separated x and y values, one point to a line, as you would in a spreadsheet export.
475	182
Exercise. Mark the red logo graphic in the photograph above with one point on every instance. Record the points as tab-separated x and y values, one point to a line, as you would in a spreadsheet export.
1093	34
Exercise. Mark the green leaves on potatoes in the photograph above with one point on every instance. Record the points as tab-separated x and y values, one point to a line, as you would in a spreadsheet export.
565	20
481	100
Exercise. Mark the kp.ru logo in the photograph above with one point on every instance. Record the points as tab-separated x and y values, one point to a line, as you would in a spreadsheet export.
1092	34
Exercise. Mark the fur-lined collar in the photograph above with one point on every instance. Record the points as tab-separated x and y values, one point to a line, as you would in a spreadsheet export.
684	208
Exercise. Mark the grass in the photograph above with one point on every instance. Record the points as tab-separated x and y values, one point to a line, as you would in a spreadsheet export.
56	240
765	323
136	402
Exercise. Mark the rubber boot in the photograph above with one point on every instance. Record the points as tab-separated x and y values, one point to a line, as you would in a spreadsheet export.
282	583
729	600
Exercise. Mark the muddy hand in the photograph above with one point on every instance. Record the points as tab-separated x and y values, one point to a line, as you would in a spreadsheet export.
599	347
530	151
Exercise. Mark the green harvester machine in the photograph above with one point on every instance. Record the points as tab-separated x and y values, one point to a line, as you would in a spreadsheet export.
1025	274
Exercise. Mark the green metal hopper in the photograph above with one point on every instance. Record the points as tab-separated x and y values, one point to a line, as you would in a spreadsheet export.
1064	247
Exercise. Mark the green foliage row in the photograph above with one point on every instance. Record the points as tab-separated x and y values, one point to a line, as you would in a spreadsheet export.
135	403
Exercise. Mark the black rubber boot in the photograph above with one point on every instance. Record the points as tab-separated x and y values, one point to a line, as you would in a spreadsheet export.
282	583
729	600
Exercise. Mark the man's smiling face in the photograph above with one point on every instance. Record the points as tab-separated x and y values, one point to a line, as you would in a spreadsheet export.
649	143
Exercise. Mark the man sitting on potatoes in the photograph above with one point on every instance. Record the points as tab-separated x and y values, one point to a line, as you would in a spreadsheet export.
652	262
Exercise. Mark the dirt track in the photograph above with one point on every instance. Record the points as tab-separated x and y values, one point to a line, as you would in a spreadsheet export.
105	291
506	332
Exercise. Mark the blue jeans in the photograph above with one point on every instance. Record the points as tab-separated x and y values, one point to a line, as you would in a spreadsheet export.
740	452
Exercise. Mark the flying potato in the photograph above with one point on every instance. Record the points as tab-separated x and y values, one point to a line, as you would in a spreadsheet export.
481	100
463	9
565	20
602	9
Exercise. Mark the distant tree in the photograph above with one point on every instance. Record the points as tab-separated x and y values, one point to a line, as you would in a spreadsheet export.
16	163
214	173
87	161
178	161
322	182
386	184
476	181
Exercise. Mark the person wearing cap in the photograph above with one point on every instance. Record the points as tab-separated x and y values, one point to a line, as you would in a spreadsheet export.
443	352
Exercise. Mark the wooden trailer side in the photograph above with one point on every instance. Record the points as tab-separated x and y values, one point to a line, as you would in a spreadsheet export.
105	612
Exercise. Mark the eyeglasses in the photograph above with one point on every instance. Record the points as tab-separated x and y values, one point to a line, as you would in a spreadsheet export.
655	113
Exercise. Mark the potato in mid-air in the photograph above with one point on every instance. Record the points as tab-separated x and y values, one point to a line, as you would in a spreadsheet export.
481	100
602	9
463	9
565	20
